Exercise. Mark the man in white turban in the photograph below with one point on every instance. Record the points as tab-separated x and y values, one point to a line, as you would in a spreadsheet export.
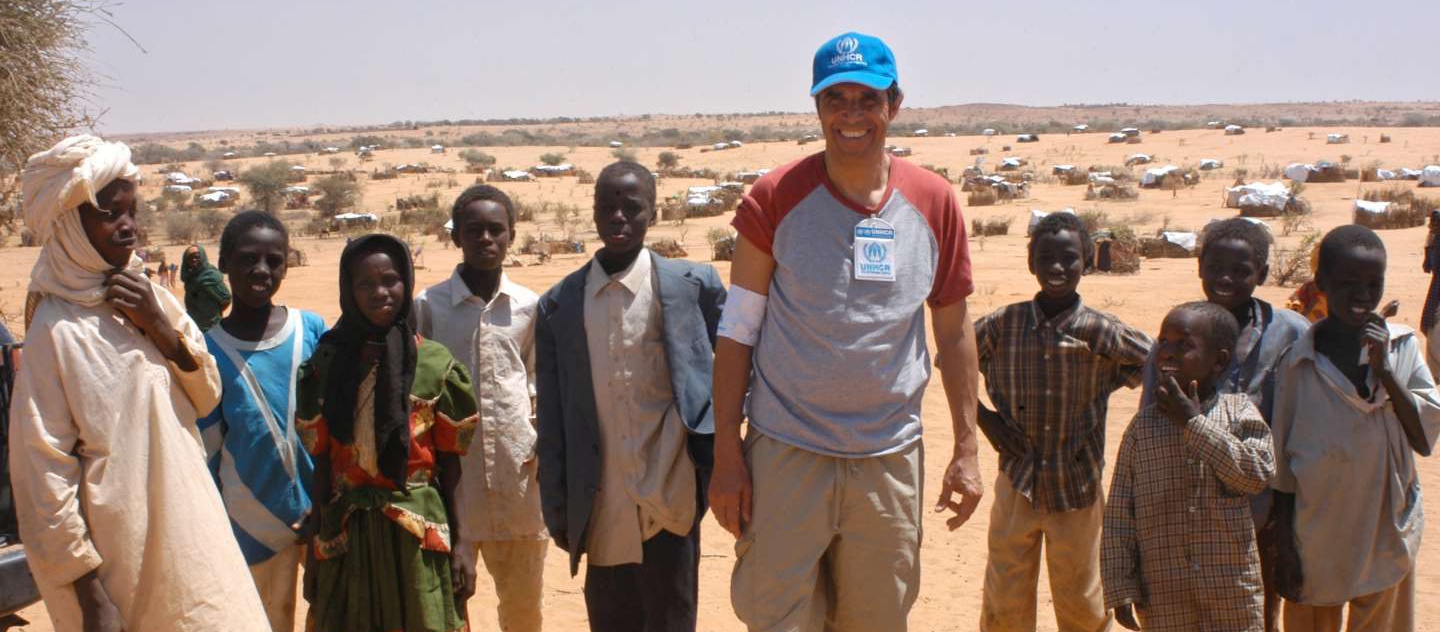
122	524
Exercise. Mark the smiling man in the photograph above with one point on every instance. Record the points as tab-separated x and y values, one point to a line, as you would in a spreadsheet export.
623	352
839	254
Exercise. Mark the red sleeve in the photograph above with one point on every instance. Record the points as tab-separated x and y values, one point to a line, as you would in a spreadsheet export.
772	197
935	199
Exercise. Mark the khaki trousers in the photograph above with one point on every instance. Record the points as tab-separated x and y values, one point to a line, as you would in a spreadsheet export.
517	568
1071	540
833	543
276	579
1390	610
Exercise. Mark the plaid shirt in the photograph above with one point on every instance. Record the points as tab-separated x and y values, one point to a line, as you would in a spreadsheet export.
1178	539
1052	379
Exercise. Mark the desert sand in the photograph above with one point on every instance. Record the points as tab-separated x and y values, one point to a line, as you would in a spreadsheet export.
953	562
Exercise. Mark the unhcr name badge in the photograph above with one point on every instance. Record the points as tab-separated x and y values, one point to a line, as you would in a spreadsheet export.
874	250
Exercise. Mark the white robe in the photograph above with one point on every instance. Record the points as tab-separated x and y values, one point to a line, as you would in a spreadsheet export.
109	474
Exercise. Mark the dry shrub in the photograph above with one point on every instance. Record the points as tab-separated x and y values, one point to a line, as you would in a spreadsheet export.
1158	248
1074	177
722	244
991	226
1094	219
668	248
1407	210
585	177
1111	192
982	197
1291	266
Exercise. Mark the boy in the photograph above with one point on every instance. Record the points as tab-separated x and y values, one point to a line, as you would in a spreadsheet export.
263	471
1179	540
623	350
488	323
1050	365
1234	260
1354	403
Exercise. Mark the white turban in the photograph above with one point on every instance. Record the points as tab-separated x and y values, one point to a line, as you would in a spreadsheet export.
54	185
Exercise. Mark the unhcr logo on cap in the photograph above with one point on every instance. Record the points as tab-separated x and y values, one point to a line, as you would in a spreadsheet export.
847	52
853	57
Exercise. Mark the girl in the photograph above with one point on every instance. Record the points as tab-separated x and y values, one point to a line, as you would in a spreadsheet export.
386	416
255	455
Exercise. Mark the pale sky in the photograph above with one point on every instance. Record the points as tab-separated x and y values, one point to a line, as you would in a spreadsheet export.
269	63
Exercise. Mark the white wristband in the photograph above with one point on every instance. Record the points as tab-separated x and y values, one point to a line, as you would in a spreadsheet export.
743	315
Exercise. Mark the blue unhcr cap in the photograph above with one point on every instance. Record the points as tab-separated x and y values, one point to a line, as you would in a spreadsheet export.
854	58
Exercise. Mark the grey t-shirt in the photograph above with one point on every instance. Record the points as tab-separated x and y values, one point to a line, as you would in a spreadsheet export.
841	364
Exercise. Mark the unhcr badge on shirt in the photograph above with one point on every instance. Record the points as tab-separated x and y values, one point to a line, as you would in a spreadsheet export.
874	250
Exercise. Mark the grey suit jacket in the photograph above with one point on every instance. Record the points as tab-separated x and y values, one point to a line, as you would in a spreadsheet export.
691	297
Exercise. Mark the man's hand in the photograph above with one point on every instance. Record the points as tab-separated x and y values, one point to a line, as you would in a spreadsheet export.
131	294
730	489
1376	338
97	612
1176	404
1006	439
462	573
962	477
1125	616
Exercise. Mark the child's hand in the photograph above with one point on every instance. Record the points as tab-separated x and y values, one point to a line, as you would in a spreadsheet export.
1376	338
1004	438
1175	403
1125	616
462	575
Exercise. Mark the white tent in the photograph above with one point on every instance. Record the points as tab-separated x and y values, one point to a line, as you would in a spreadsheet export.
1208	164
922	132
1258	194
296	190
437	149
1012	162
1080	128
555	169
1234	130
988	132
1372	208
1153	177
1298	172
1430	177
229	154
1036	215
1188	241
1062	169
1337	139
1385	174
214	197
515	174
176	188
616	143
1026	138
1138	159
1130	131
298	169
1117	137
720	146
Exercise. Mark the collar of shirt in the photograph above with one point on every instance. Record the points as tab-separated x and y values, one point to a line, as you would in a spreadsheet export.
1058	321
1304	351
630	278
460	292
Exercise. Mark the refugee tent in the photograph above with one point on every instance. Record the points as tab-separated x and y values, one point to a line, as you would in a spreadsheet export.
1011	163
1298	172
988	132
1430	176
554	170
1080	128
1027	138
922	132
1210	164
1137	159
1258	198
1156	177
1117	137
515	175
616	144
1173	244
1337	139
176	189
437	149
1130	131
1234	130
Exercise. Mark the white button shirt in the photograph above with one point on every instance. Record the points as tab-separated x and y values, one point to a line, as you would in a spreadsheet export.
498	496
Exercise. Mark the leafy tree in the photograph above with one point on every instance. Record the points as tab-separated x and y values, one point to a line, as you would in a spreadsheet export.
624	154
266	183
669	160
338	192
552	158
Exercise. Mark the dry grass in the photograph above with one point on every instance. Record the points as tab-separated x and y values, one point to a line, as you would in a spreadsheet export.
1291	266
985	227
1407	210
982	197
722	244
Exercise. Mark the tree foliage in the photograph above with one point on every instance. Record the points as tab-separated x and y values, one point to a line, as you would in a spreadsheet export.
477	159
338	192
553	158
668	160
266	184
43	81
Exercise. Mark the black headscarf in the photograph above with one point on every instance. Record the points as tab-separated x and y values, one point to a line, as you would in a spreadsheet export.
396	370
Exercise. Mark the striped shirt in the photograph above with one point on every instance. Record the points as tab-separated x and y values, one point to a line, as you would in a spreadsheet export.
1052	379
1178	540
253	450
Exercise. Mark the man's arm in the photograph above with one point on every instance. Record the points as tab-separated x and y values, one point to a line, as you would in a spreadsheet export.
960	375
730	486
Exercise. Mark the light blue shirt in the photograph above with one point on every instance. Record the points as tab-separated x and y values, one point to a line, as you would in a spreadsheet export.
258	462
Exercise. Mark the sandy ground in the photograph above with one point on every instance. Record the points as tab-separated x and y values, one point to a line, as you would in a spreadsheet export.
953	562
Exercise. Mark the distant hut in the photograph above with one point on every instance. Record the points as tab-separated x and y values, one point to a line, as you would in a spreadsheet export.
1234	130
1337	139
1027	138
